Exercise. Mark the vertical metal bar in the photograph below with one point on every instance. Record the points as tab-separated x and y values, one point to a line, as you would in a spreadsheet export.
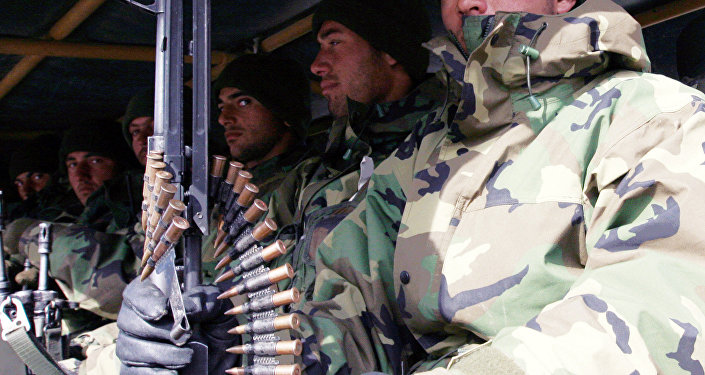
168	99
198	190
174	135
161	101
44	249
4	280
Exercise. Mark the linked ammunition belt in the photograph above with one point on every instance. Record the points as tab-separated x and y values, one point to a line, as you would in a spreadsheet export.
238	240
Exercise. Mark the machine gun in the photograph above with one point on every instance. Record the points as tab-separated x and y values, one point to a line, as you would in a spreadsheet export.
233	195
168	143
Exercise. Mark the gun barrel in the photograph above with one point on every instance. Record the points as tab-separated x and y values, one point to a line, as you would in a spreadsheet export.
44	248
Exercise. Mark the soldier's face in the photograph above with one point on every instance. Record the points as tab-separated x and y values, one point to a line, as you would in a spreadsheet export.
28	183
251	130
140	129
87	172
453	11
349	67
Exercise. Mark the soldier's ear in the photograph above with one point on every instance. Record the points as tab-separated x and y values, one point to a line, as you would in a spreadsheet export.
389	59
288	125
564	6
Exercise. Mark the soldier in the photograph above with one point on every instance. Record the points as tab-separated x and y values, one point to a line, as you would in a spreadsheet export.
265	122
138	123
553	219
374	75
31	168
45	194
92	258
264	107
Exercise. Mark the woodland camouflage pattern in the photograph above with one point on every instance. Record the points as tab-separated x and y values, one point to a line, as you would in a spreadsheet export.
267	175
92	259
568	236
316	195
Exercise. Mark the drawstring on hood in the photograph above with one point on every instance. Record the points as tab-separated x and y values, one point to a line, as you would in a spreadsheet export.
576	48
532	54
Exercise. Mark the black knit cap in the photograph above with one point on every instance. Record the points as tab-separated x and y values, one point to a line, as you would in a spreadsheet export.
397	27
100	137
279	84
140	105
38	155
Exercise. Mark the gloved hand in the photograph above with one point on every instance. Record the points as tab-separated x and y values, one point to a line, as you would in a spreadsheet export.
28	277
144	346
12	235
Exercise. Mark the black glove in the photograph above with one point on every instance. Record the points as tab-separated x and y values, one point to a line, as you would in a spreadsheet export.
144	345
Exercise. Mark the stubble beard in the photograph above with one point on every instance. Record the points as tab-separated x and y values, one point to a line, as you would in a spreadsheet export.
257	149
338	106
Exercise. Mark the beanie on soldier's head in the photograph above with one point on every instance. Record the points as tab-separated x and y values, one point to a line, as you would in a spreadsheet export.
37	155
279	84
140	105
397	27
98	137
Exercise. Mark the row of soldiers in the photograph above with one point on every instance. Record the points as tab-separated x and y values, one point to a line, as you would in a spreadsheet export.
264	106
460	219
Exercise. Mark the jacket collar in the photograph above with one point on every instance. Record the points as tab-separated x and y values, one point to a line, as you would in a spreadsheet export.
370	127
574	48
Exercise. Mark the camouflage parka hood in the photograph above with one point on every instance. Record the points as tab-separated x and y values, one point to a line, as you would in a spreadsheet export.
573	48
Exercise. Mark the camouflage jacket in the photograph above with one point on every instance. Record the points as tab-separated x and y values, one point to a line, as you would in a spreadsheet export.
566	236
317	194
92	259
56	202
268	176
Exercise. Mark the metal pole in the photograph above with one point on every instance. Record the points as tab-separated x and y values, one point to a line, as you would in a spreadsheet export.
42	296
198	190
4	281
